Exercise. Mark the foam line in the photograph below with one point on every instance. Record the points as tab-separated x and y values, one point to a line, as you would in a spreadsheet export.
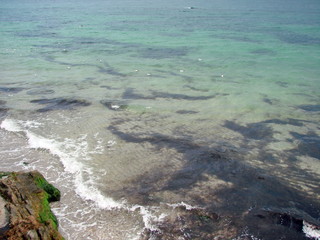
68	151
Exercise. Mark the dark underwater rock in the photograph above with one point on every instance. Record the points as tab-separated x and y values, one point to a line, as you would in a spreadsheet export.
11	90
186	112
26	213
60	104
310	107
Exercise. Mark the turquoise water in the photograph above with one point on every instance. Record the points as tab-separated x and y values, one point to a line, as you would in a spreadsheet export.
131	104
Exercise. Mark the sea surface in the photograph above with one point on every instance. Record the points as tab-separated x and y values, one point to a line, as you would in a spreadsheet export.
166	119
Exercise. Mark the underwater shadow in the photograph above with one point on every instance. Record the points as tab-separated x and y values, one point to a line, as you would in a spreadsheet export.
252	200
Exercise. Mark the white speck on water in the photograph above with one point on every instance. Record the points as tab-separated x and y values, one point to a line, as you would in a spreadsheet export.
115	106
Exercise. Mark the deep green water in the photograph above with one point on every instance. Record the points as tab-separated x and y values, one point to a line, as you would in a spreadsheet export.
126	102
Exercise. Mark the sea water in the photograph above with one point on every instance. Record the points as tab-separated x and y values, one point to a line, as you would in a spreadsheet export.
133	108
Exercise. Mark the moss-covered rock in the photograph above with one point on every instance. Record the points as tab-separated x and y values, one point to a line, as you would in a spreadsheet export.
27	197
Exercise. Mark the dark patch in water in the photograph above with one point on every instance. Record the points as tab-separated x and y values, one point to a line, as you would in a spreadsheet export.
296	38
180	96
268	100
282	84
257	131
183	223
106	69
40	92
161	53
237	38
199	159
308	144
185	77
248	189
196	89
3	109
290	121
110	70
130	94
186	112
160	140
60	104
310	107
263	51
11	90
109	87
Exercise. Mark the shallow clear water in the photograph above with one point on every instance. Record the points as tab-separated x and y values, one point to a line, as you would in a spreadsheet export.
133	107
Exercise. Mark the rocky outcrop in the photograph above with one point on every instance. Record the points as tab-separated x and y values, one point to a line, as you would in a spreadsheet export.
24	207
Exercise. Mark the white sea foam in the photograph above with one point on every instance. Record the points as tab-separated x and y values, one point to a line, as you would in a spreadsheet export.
149	219
182	204
93	194
10	125
69	152
311	231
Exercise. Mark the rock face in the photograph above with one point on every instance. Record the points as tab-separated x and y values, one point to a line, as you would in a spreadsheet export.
24	207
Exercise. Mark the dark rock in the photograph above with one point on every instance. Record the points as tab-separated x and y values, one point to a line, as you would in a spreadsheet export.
130	94
289	121
27	197
196	89
11	90
60	104
186	112
310	107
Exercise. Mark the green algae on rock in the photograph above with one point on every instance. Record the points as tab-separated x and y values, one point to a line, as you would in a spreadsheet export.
27	197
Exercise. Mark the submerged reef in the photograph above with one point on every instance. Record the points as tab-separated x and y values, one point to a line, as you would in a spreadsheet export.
24	207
